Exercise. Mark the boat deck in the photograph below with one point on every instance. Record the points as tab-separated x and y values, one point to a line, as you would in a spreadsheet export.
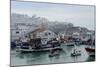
36	50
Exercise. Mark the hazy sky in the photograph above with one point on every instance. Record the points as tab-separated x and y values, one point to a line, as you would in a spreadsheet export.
76	14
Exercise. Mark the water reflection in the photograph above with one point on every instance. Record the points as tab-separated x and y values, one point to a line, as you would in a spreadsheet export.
43	57
91	58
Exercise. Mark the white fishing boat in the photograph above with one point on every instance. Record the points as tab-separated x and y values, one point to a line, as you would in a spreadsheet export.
76	51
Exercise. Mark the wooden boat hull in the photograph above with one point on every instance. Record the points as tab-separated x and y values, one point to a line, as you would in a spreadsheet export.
38	50
90	50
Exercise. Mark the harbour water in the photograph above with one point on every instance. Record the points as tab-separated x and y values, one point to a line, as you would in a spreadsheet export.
35	58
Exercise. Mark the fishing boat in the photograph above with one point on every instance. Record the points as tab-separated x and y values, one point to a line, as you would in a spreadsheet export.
37	46
54	52
75	51
39	39
90	49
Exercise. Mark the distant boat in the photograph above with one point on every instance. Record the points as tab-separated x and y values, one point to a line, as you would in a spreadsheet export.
38	46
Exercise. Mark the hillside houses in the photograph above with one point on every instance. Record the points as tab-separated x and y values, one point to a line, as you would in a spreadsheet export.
19	30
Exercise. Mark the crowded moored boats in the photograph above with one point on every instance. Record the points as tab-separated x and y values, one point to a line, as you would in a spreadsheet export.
45	40
38	46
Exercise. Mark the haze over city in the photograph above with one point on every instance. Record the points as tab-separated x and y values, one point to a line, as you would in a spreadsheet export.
79	15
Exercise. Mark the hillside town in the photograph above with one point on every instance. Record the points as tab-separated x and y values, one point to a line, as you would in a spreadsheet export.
28	37
48	33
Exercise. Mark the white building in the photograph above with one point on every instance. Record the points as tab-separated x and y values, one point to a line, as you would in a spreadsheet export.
19	31
41	32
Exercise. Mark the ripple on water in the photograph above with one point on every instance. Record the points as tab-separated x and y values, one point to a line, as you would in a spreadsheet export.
42	57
